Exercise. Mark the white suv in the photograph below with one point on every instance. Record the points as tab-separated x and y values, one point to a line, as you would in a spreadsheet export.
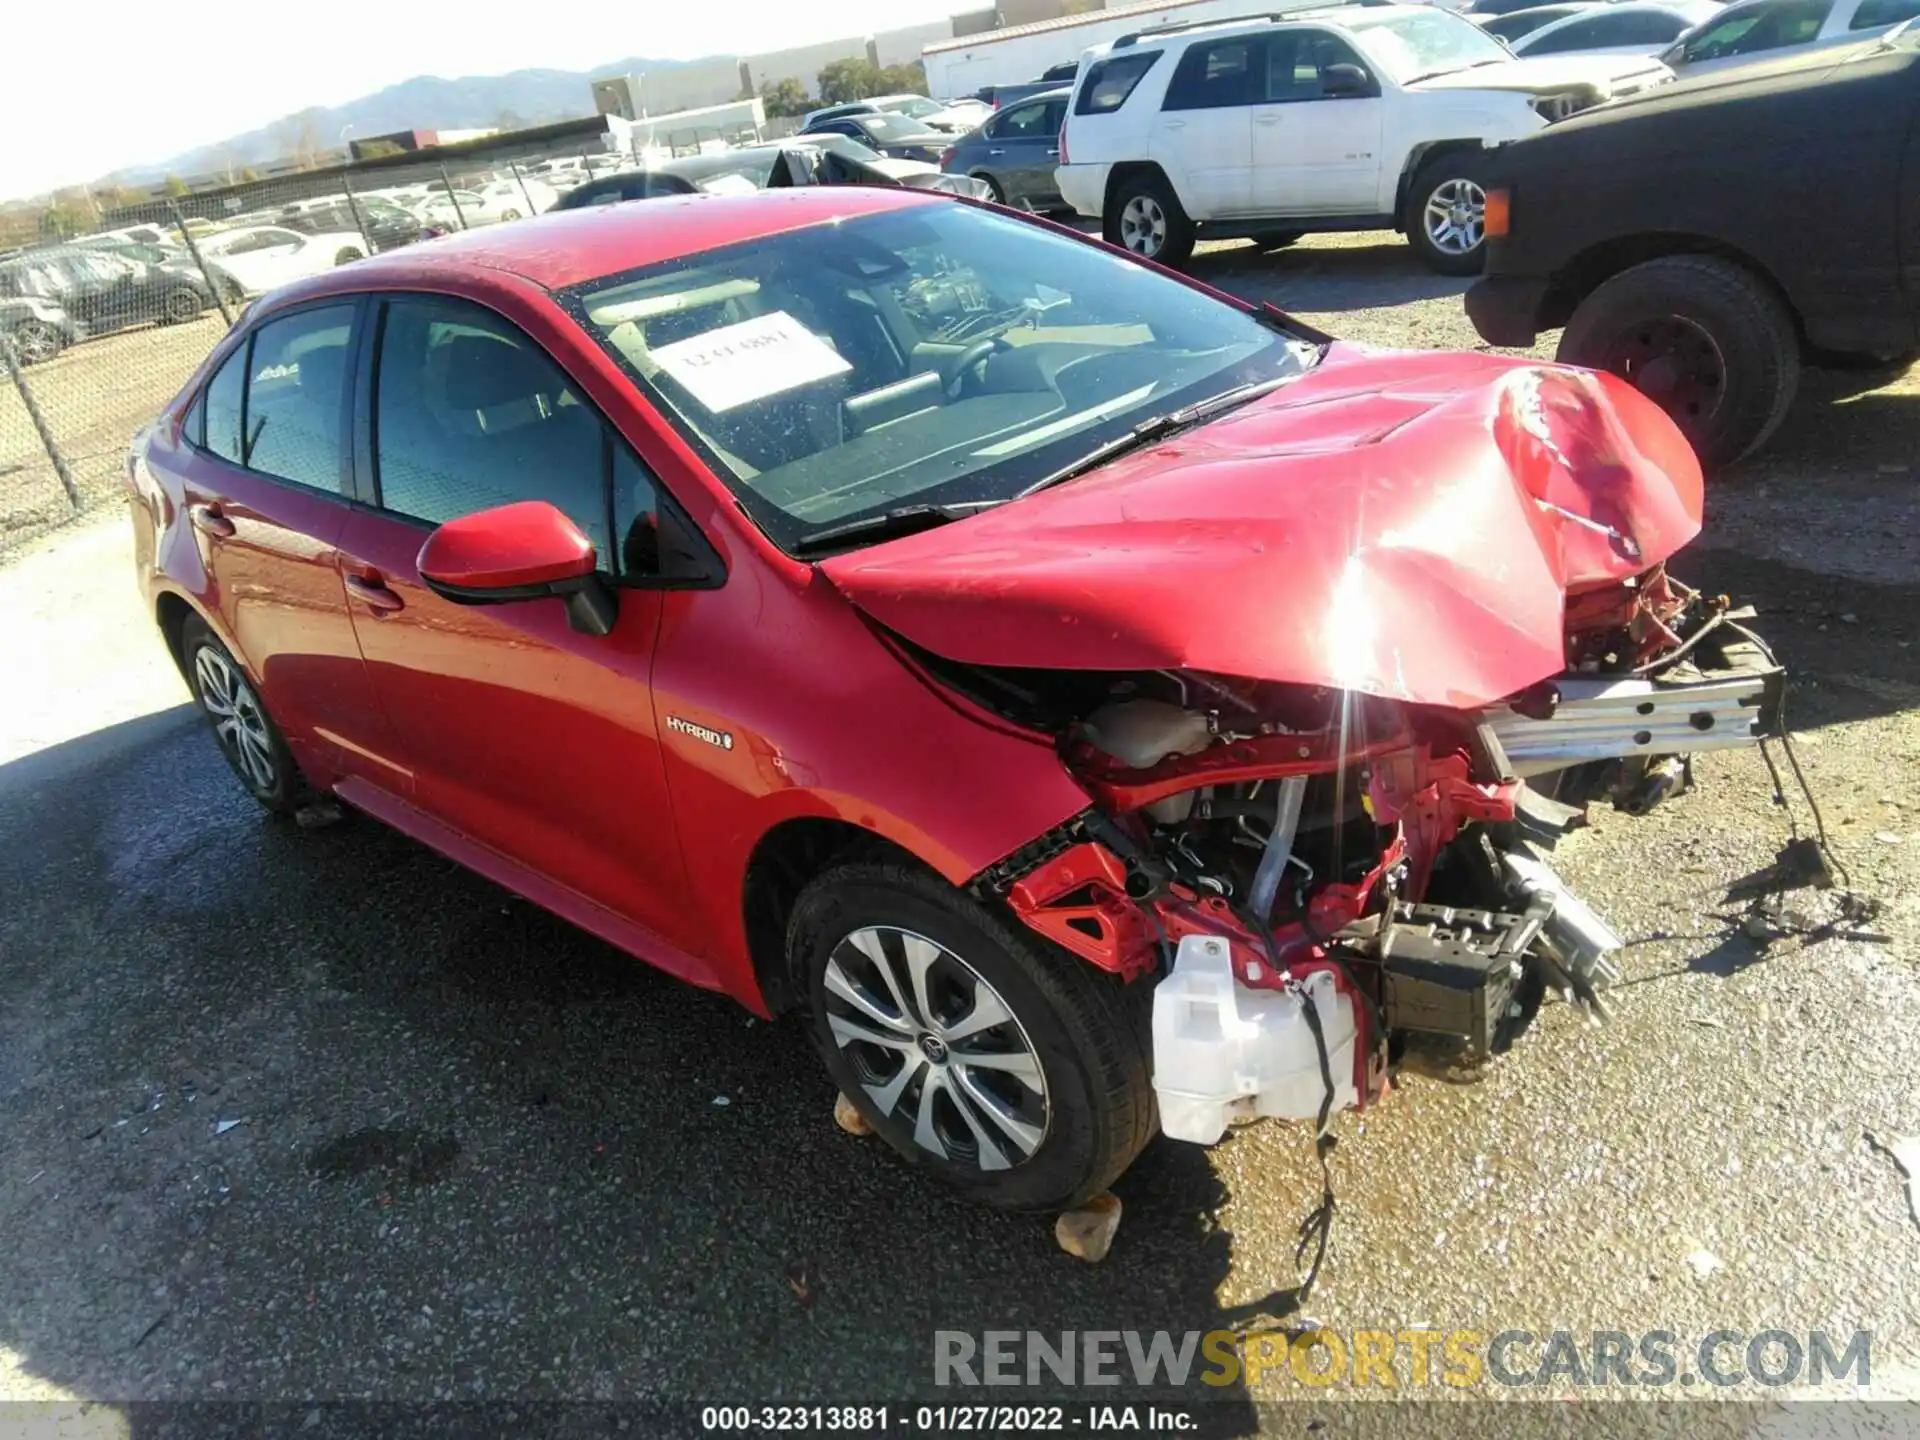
1354	117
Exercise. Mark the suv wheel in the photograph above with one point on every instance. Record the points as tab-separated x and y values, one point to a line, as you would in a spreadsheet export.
1014	1073
1144	216
1701	337
34	341
244	731
1447	216
347	254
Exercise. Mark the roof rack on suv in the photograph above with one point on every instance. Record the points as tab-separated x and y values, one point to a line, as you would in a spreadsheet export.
1291	12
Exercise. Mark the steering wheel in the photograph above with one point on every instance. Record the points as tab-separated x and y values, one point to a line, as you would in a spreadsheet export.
973	355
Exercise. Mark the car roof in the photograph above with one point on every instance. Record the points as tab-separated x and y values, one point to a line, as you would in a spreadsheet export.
566	247
1328	14
1690	11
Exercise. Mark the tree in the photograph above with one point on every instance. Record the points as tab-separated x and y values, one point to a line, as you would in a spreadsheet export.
785	97
850	79
508	118
248	175
903	80
176	186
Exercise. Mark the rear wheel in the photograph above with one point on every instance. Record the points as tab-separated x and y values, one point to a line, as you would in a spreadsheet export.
242	728
347	254
180	305
994	192
1144	215
1704	339
1013	1073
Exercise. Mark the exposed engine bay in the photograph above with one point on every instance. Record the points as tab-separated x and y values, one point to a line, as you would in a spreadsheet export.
1314	879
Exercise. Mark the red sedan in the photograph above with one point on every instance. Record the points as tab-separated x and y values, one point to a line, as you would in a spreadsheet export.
1093	704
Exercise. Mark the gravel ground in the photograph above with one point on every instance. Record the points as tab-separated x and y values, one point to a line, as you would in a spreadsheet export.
297	1116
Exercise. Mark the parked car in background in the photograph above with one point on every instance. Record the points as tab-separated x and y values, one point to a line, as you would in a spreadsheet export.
1705	241
102	292
918	563
1644	28
175	258
264	257
798	160
387	223
1015	152
893	135
448	210
1766	29
1352	118
513	199
1511	26
35	329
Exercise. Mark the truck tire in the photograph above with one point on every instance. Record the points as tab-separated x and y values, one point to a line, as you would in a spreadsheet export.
1144	216
1446	214
1702	337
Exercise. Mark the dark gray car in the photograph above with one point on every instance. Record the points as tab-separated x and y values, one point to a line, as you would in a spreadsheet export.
1015	152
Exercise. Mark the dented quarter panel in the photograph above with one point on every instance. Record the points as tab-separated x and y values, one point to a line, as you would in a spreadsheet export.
1400	524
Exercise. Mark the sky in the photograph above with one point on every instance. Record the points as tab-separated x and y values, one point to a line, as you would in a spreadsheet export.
135	85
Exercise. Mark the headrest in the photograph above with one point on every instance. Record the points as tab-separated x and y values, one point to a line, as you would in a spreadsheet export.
483	372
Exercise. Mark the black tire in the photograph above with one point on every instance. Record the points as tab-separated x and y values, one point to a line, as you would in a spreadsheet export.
1268	240
1145	208
995	193
201	653
1687	329
180	305
1089	1033
35	341
1459	169
347	254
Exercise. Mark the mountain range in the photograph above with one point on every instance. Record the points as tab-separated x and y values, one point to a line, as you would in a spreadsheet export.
426	102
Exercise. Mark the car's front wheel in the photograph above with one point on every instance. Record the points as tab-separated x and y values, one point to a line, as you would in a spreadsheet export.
244	731
180	305
1704	339
1016	1074
1447	216
1145	216
35	341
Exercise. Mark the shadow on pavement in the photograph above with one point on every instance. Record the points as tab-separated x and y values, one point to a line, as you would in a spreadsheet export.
307	1115
1327	278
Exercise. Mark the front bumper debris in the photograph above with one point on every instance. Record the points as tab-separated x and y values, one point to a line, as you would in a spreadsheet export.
1576	719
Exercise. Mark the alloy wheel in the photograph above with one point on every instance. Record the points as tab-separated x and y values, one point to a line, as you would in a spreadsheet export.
182	305
1143	225
238	722
1674	363
35	341
1456	217
936	1047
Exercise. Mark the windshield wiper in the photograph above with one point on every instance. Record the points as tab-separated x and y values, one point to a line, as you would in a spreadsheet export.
887	525
1157	427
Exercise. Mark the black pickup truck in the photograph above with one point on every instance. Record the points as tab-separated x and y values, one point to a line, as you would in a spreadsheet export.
1706	239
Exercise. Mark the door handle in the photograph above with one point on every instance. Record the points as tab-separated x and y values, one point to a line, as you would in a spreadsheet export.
1174	124
372	591
996	152
1266	119
1052	154
208	520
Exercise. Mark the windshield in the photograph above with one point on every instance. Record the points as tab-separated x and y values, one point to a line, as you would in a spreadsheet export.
917	107
1413	47
885	127
939	354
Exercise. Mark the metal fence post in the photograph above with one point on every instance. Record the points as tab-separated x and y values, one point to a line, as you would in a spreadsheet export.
446	180
40	425
213	281
359	220
524	195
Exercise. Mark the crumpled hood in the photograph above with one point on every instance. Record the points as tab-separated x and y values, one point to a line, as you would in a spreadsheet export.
1547	74
1396	523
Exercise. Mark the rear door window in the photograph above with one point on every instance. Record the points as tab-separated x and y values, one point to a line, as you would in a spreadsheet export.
1110	81
1873	14
295	400
221	404
1217	75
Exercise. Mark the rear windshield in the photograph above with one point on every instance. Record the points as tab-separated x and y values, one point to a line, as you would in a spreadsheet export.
937	354
1110	81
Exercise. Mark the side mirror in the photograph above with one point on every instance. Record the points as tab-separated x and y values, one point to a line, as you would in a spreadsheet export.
525	551
1344	81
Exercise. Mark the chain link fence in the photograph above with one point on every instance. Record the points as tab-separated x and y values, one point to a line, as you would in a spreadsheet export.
101	327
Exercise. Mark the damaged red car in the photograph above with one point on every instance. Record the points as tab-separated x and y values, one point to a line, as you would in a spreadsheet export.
1092	704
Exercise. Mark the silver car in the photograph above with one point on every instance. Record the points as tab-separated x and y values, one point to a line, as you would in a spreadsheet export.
1014	153
1754	30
